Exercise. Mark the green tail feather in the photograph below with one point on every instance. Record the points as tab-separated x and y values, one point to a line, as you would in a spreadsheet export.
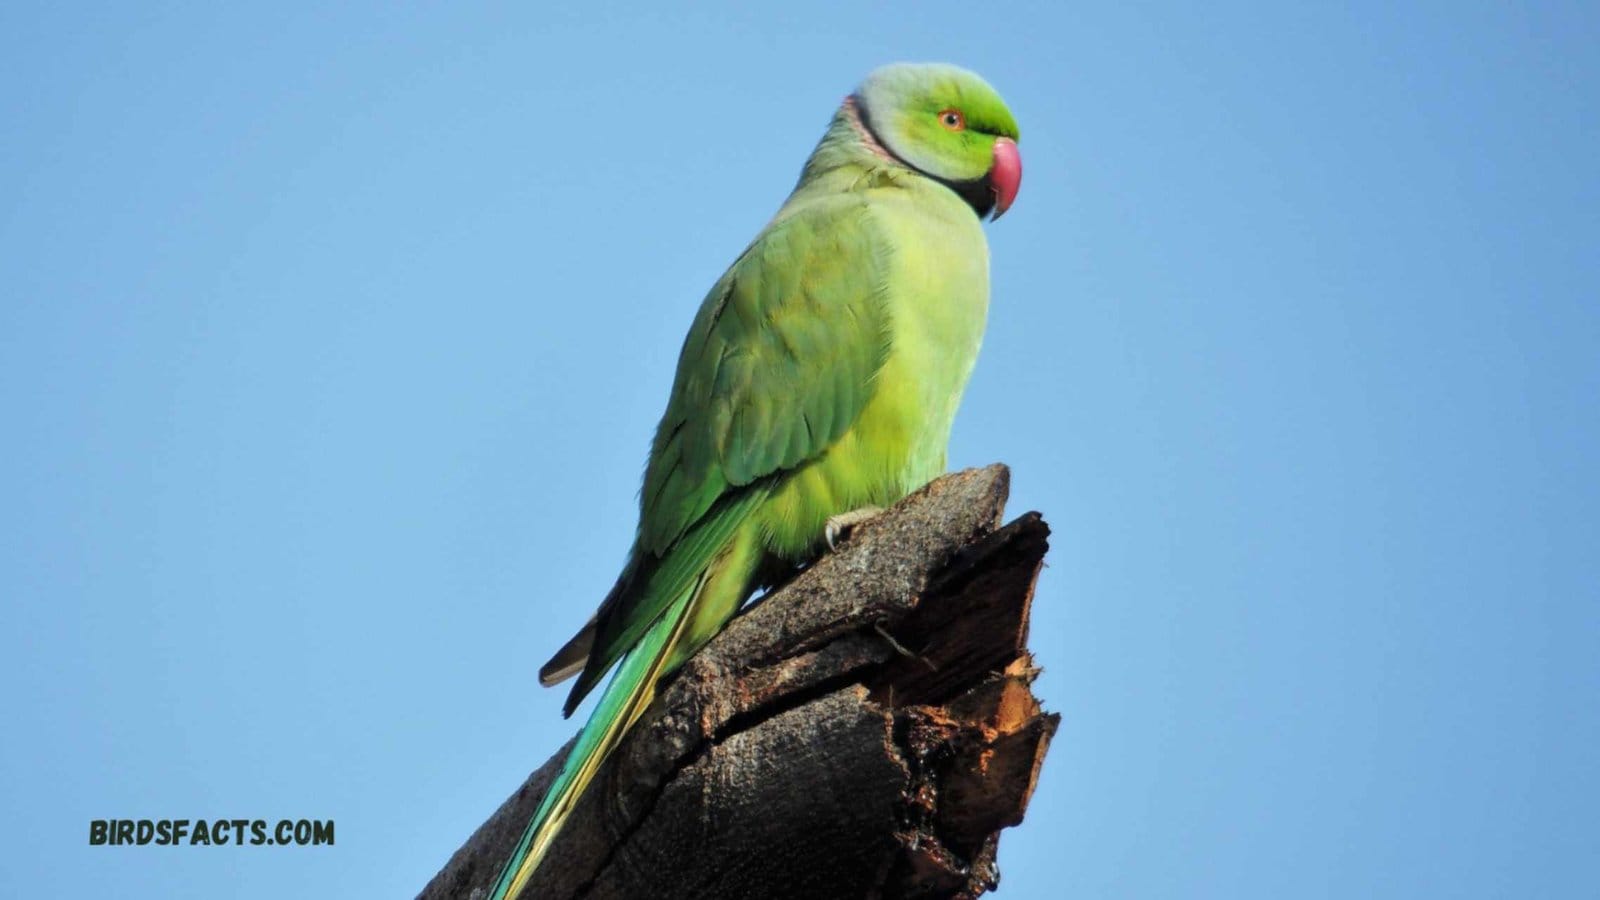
625	698
686	601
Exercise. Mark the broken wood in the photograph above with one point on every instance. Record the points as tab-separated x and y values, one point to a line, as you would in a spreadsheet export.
865	730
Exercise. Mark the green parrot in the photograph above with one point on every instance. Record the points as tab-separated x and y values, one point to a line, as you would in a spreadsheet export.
816	386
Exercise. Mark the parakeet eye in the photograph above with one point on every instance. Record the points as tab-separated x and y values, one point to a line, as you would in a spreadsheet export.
953	120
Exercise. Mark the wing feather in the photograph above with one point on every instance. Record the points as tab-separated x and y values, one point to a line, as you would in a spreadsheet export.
779	363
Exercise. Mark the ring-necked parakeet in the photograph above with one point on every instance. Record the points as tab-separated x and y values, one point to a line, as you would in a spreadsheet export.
818	383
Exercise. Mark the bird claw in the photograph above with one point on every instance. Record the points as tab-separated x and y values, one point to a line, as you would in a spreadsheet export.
838	527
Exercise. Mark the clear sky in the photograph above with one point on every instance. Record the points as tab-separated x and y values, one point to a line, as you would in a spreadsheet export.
331	342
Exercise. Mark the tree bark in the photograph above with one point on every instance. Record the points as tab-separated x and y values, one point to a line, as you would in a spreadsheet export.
865	730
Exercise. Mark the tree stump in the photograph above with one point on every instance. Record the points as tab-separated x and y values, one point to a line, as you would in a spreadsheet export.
864	730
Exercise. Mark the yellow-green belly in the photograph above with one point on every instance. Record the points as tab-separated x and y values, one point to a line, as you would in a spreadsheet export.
938	298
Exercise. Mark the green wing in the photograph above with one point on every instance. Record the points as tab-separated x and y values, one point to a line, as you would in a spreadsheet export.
777	366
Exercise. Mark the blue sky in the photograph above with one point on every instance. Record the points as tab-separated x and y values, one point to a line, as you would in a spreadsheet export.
331	341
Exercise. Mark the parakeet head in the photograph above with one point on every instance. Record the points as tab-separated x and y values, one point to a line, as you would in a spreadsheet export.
948	124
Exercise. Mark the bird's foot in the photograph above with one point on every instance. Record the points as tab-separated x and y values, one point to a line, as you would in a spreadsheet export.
840	526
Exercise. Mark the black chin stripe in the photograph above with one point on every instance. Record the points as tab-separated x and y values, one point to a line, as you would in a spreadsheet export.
978	193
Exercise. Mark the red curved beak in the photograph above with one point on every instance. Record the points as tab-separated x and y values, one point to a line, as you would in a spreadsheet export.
1006	175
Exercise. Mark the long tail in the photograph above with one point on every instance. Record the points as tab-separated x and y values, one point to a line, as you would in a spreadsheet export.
629	694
